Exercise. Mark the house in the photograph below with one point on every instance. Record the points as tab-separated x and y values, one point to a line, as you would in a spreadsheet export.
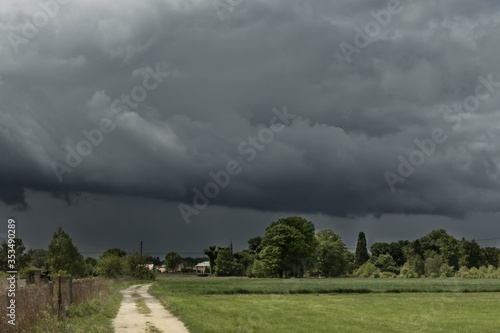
202	267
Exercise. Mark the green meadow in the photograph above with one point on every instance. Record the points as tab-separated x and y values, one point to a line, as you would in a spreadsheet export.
208	304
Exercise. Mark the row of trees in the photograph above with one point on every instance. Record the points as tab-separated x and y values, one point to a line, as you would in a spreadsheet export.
290	247
436	254
62	258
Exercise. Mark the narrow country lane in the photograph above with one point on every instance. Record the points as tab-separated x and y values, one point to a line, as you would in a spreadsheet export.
129	320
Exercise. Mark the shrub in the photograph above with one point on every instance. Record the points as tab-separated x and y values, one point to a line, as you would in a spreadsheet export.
407	271
137	269
413	268
110	266
446	271
463	273
28	273
386	275
261	269
367	270
386	263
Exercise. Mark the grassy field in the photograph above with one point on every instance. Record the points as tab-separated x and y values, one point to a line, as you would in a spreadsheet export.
209	285
312	305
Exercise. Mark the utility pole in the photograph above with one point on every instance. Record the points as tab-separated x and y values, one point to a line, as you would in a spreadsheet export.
141	249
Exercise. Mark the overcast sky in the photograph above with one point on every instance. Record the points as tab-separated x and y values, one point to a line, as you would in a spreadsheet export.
360	115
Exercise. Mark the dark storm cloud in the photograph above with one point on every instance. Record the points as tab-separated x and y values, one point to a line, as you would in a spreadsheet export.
225	77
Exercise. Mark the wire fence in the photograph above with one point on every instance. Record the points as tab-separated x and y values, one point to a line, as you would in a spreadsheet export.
45	300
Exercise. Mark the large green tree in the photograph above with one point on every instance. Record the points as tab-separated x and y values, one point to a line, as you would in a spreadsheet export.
110	265
491	255
438	242
470	254
284	250
172	261
254	244
245	259
224	264
304	226
361	251
394	249
380	248
63	255
306	229
330	253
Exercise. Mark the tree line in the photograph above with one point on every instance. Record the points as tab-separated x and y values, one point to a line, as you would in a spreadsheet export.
291	247
63	258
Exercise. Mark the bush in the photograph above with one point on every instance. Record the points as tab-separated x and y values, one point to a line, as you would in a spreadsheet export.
261	269
143	273
367	270
386	275
463	273
413	268
482	272
28	273
137	269
385	263
407	271
446	271
110	266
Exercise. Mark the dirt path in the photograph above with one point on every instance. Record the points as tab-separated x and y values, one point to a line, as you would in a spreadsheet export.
130	320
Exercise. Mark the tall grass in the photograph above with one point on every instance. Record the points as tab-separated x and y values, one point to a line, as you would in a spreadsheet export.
234	285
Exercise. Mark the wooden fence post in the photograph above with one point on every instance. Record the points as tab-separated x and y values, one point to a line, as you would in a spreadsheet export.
51	290
59	297
70	290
